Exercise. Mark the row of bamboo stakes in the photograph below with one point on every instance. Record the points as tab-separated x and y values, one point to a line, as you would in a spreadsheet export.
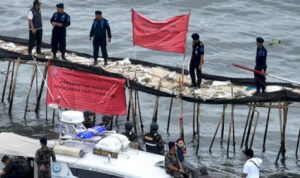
134	109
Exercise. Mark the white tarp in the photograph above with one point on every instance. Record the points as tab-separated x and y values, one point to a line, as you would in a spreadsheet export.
17	145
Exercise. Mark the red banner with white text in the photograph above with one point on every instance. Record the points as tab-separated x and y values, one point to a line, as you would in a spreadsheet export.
85	91
168	35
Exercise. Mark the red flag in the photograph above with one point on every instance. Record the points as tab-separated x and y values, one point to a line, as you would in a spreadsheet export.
168	35
85	91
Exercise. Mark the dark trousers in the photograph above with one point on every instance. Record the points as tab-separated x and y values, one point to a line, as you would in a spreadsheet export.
260	81
58	41
195	66
100	42
35	39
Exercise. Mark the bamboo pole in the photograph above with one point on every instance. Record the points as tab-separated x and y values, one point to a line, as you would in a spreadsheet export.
246	125
266	129
53	115
116	122
229	135
297	146
155	111
128	110
198	127
37	86
212	142
140	113
255	126
249	127
14	87
5	82
131	105
223	122
194	116
233	133
11	80
34	72
46	113
41	88
170	112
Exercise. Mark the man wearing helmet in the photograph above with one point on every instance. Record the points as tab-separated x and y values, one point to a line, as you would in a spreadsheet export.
129	133
153	140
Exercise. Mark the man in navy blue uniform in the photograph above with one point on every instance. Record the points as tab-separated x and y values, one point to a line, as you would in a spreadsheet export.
260	65
60	20
100	29
197	60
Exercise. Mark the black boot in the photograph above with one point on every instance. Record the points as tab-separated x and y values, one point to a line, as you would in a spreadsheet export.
105	62
54	56
95	62
63	56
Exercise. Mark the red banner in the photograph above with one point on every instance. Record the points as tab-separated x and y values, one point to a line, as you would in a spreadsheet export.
168	35
85	91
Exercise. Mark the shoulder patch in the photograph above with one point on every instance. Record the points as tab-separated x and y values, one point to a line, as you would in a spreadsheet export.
148	138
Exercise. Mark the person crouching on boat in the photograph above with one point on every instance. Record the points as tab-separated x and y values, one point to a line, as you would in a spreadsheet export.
251	167
89	121
100	29
172	162
153	140
197	60
60	21
106	122
42	158
260	65
181	152
35	27
129	133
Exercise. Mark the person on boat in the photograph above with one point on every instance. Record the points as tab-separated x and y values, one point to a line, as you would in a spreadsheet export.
251	167
260	65
89	121
181	152
129	133
153	140
204	173
35	27
100	29
172	162
106	122
60	21
42	158
197	60
15	168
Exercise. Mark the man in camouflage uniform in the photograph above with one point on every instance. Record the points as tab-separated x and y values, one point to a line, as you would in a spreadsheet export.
172	163
42	158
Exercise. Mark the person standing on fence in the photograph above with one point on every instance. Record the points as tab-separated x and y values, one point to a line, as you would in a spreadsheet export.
197	61
260	65
35	27
60	21
100	29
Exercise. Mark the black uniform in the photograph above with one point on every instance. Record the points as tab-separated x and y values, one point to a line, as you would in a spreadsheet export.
154	143
17	168
99	30
88	123
38	26
261	64
198	50
58	40
130	135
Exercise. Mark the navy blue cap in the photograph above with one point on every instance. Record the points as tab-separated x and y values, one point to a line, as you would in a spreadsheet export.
195	36
43	140
35	2
171	144
259	40
60	5
98	12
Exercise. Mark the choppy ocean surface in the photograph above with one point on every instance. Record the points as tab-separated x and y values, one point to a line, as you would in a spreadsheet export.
228	30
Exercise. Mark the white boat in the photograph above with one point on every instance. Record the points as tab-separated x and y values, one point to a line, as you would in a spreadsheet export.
75	157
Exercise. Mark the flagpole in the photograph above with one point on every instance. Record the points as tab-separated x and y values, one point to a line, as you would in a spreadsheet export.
181	87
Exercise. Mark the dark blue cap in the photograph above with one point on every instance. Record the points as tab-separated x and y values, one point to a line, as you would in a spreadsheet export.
98	12
35	2
171	144
43	140
259	40
60	5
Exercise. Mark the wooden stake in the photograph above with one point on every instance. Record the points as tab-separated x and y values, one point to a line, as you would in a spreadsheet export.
11	80
194	116
223	122
198	120
34	71
53	115
14	87
253	134
170	112
5	83
266	129
41	89
128	110
155	111
297	147
46	112
233	133
212	142
116	122
249	127
229	135
140	112
246	126
131	105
